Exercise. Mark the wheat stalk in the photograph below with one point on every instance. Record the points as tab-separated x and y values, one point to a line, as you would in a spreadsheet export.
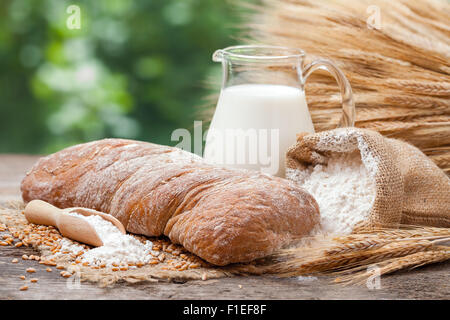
414	260
372	243
442	160
393	233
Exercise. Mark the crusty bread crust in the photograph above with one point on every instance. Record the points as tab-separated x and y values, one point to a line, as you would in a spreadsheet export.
222	215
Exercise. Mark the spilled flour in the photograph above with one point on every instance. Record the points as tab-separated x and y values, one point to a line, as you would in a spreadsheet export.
117	249
343	189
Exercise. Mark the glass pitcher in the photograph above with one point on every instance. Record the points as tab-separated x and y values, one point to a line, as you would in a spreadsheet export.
262	106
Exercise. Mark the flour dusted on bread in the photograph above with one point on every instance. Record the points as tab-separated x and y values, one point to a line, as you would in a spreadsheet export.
222	215
343	188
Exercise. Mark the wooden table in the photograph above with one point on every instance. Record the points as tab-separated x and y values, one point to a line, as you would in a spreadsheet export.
430	282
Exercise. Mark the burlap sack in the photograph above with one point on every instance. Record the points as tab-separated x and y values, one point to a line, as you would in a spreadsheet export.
410	188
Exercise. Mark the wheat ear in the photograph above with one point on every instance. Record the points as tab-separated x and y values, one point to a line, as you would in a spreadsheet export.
409	261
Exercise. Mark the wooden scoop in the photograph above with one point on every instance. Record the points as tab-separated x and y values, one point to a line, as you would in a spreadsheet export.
75	228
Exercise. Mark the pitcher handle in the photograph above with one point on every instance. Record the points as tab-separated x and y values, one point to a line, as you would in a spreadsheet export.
348	105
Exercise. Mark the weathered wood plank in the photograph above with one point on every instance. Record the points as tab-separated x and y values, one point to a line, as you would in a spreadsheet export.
431	282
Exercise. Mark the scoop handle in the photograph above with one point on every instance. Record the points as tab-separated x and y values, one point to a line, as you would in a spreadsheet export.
41	212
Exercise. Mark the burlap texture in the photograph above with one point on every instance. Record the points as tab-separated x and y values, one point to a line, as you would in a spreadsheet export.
410	188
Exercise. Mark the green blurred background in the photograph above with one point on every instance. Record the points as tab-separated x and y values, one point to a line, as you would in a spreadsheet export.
136	69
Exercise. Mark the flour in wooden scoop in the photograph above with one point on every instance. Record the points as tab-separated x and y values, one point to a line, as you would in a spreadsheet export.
117	249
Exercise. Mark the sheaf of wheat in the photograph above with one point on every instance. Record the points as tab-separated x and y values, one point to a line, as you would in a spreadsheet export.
399	69
352	259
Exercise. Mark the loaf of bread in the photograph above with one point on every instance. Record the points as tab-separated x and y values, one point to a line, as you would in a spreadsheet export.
222	215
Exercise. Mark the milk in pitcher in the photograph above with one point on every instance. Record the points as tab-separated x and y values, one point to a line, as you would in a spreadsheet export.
254	125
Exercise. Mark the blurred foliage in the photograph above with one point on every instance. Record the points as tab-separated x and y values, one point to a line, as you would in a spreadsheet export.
135	69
